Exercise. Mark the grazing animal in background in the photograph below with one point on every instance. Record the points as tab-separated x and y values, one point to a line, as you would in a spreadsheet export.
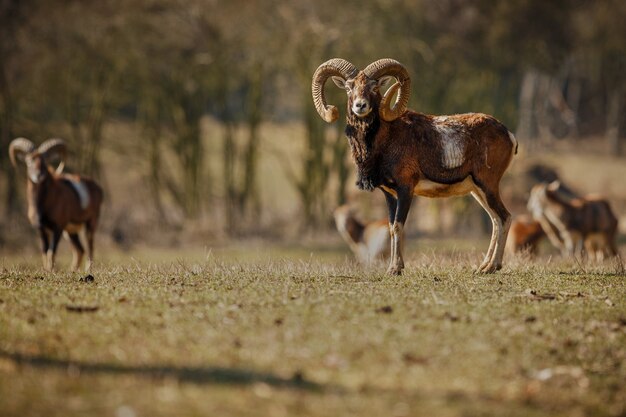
57	202
405	153
369	241
581	223
525	235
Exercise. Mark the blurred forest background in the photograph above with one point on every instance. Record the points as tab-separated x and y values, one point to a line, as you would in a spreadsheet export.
197	119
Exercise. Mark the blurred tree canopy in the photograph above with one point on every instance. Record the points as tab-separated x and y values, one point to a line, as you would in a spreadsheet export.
547	69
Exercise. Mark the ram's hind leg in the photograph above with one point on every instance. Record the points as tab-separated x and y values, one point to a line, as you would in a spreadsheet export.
90	231
45	244
495	202
78	250
611	245
479	196
501	222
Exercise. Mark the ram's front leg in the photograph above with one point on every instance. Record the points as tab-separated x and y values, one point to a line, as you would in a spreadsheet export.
392	204
45	244
404	199
52	250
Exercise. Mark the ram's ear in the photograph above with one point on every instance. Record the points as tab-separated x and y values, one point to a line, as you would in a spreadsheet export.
384	82
339	82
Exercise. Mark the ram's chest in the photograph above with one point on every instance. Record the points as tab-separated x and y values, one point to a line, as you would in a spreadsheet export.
361	134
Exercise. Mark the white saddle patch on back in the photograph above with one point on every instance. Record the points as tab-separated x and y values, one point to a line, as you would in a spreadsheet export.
453	154
83	192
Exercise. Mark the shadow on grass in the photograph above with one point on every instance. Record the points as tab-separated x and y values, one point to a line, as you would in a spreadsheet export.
196	375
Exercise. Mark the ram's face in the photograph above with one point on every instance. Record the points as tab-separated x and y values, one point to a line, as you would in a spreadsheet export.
35	167
363	93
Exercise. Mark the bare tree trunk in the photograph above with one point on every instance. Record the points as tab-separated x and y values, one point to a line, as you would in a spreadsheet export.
315	171
249	192
188	148
230	198
150	119
229	155
6	134
574	93
340	150
613	121
527	126
542	103
154	155
192	160
73	116
9	13
95	122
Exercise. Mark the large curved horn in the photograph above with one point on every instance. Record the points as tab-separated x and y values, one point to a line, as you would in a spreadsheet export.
335	66
52	147
391	67
18	147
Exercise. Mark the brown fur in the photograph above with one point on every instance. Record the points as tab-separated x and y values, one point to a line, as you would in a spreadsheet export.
54	206
397	156
582	223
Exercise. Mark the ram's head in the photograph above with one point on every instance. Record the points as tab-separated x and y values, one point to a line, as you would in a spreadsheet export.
363	88
22	149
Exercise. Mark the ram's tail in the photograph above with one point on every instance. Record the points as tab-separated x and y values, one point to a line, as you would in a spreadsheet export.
515	144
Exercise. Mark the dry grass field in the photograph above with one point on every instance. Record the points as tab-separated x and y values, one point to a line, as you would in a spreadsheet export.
262	330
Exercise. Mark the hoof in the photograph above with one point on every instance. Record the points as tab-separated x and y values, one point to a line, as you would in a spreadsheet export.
487	269
394	270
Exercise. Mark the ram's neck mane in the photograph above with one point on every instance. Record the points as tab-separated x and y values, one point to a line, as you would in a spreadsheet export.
361	133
